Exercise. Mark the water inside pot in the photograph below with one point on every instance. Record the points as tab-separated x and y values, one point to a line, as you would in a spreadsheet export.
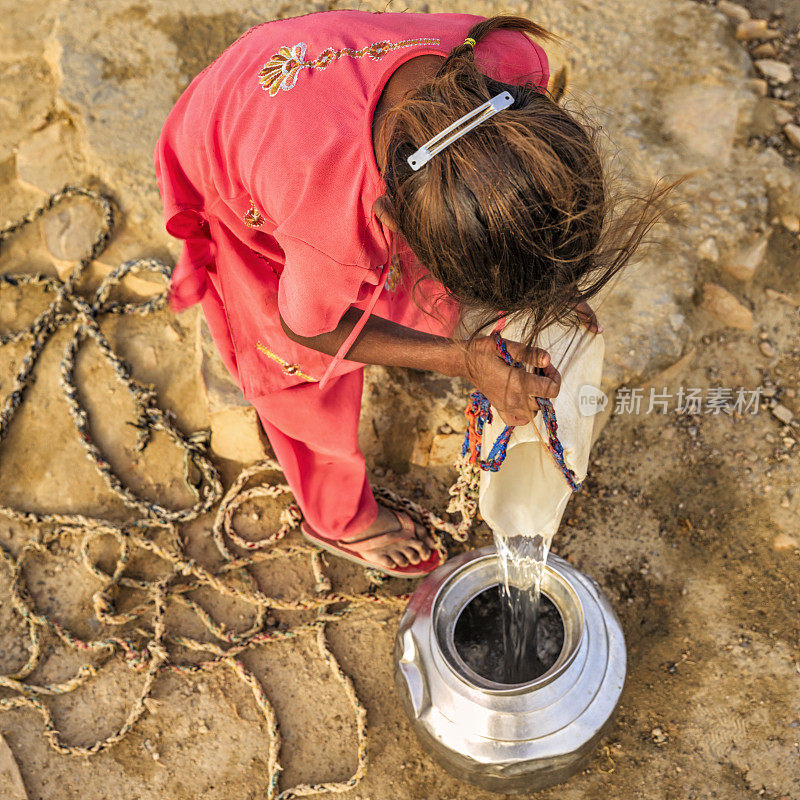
480	642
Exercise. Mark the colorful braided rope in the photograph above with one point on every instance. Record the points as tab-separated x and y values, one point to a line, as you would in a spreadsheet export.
479	412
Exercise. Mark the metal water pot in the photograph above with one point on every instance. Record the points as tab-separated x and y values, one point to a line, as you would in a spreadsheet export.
501	737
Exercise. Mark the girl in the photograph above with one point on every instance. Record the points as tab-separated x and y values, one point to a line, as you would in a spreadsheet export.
320	221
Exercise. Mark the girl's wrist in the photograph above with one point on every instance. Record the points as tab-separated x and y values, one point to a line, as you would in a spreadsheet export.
454	360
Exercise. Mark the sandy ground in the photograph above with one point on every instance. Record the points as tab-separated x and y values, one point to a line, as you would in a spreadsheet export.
690	523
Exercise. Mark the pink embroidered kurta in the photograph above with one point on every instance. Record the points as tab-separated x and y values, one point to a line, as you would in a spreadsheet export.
267	171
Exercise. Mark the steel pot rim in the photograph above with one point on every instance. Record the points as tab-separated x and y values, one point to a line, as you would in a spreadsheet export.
557	588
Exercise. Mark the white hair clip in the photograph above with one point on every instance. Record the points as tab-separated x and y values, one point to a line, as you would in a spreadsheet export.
455	131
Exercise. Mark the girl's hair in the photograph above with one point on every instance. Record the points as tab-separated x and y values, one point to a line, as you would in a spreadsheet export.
516	216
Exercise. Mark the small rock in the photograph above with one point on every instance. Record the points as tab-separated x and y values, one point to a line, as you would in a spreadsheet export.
764	118
754	29
777	71
708	250
764	50
792	132
791	222
69	233
733	10
784	542
767	349
151	748
421	450
759	86
781	413
781	297
723	306
744	266
658	735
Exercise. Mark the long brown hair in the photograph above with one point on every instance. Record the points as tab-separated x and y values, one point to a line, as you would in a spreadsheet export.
517	216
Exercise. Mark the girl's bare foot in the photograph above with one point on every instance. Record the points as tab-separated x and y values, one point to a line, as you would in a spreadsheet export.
393	540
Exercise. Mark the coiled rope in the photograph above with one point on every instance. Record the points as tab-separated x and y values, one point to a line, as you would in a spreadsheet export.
150	647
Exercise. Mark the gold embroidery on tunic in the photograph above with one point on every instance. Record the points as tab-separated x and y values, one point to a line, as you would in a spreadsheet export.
395	274
281	71
253	218
286	367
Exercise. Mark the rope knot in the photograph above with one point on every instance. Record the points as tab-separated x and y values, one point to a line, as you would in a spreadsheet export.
103	604
187	568
157	651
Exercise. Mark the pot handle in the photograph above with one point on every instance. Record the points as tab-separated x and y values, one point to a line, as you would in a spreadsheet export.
413	679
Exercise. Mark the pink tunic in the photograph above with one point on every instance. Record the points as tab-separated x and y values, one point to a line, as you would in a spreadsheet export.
267	171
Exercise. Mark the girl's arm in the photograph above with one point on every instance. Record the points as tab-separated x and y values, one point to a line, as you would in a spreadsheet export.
510	391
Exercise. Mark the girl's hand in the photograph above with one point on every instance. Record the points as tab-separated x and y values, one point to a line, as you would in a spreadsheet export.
511	390
588	318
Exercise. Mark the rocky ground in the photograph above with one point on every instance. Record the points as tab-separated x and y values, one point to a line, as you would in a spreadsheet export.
689	519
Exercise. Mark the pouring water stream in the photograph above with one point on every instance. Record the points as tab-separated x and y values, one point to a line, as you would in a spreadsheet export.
522	559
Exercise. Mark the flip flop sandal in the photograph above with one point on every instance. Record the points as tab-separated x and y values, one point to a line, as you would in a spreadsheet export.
338	548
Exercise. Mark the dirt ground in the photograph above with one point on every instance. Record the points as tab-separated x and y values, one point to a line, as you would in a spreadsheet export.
689	521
